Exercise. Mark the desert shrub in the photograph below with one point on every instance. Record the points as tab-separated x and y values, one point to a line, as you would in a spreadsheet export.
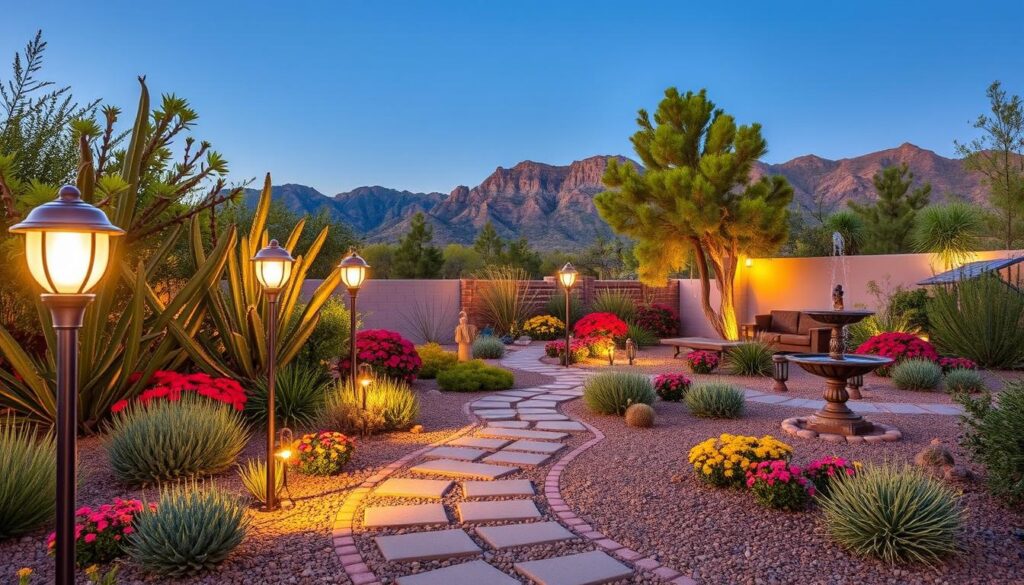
916	374
750	358
723	460
330	336
910	306
780	485
715	401
163	440
579	350
168	385
475	376
388	352
701	361
544	327
613	392
962	380
298	395
101	533
899	347
897	514
488	347
390	406
617	302
192	529
322	453
981	319
435	359
600	325
640	336
660	320
505	300
556	307
826	470
994	435
253	476
28	478
671	387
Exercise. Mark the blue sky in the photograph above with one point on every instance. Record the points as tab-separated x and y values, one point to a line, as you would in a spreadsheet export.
428	95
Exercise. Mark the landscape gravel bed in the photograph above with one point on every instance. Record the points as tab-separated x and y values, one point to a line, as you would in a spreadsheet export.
638	488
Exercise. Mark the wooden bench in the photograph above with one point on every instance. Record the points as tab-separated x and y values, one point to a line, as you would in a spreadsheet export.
706	343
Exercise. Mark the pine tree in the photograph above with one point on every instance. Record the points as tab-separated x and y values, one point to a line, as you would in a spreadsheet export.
489	244
520	255
416	256
889	221
696	197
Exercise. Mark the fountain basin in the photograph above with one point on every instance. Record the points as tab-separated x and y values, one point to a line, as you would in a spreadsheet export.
839	318
852	364
835	418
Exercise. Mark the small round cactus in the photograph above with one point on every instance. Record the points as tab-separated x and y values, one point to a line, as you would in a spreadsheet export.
640	415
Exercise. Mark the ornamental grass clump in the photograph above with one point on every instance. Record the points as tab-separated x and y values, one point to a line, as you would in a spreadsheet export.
724	460
640	336
964	381
322	453
475	376
164	440
193	529
671	387
391	405
488	347
781	485
715	400
435	358
298	395
750	358
994	434
254	478
614	301
981	319
544	327
917	374
897	514
28	478
614	392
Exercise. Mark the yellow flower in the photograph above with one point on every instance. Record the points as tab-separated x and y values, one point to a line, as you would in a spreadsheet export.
728	473
24	572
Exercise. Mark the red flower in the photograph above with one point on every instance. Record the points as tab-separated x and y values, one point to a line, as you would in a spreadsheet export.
600	325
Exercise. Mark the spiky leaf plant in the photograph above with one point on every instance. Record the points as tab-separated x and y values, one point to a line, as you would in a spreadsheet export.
951	231
298	395
994	434
981	319
640	336
390	406
254	478
505	298
616	302
713	400
751	358
28	478
961	380
614	392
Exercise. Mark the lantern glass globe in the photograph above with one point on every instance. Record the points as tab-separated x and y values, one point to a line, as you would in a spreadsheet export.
273	274
67	262
567	275
353	270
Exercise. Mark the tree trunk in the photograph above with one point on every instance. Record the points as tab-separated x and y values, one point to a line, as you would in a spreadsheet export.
723	262
713	317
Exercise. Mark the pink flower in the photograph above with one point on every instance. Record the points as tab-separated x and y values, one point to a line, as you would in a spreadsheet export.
90	538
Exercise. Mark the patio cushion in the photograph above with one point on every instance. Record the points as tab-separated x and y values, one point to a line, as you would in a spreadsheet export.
807	323
792	339
785	321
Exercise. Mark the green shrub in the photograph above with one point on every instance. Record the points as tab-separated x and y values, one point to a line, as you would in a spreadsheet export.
916	374
254	478
897	514
556	307
475	376
162	440
995	435
963	380
488	347
390	406
28	478
192	529
714	400
981	319
640	336
614	392
616	302
751	358
330	336
435	359
298	395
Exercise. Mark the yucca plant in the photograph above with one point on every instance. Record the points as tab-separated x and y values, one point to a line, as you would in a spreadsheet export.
981	319
390	406
254	478
298	395
614	392
713	400
617	302
488	347
750	358
193	529
951	231
897	514
164	440
28	478
916	374
505	299
640	336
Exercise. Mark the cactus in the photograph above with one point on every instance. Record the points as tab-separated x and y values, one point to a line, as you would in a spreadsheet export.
640	415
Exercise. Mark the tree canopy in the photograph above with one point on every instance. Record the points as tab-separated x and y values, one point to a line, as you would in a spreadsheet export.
889	221
416	256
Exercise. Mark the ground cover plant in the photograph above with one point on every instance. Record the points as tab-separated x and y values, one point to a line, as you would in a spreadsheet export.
488	347
723	461
614	392
475	376
434	358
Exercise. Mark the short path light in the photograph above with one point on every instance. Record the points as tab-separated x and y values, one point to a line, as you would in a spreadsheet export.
285	438
353	272
780	373
630	350
567	276
365	378
67	245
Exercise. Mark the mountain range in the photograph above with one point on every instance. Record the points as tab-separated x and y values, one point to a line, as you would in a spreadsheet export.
553	205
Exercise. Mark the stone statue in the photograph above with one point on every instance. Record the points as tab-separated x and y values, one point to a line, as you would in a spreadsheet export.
837	297
465	335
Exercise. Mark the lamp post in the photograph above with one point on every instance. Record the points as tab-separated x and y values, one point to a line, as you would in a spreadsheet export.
67	245
273	267
353	273
567	276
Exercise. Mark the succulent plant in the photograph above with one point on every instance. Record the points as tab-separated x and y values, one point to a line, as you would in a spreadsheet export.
28	478
640	416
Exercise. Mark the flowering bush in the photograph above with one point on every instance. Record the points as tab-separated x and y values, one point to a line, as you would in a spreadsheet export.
544	327
323	453
956	363
99	532
823	472
778	484
578	350
598	325
899	347
388	352
702	362
671	387
171	385
660	320
724	461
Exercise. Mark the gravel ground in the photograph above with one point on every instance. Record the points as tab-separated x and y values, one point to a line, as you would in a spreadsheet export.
288	547
656	505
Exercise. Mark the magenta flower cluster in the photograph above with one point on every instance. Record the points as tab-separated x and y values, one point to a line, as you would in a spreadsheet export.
899	347
701	361
388	352
660	320
825	470
579	350
957	363
99	533
780	484
672	387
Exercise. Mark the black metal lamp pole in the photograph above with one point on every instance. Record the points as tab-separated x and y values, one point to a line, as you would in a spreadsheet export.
567	276
352	373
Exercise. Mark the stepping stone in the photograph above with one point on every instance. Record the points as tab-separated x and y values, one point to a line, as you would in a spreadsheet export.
490	405
463	453
503	433
502	398
425	546
495	412
452	468
559	397
536	411
499	488
472	573
479	443
498	510
510	535
535	446
509	424
518	458
539	417
414	488
537	403
560	425
521	393
401	516
590	568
